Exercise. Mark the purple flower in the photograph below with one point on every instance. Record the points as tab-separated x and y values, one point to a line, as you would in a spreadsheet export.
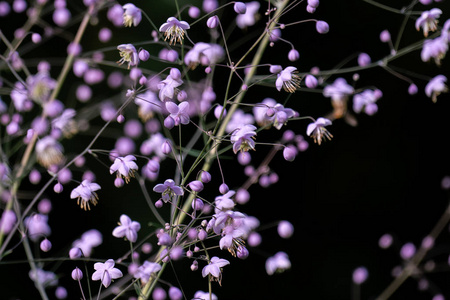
278	263
317	130
224	202
168	87
40	86
90	239
128	54
435	48
339	90
428	20
250	16
49	151
204	54
37	226
168	189
86	193
106	272
270	112
131	15
174	30
214	268
124	167
435	87
243	138
46	278
366	100
146	270
288	80
127	229
201	295
179	113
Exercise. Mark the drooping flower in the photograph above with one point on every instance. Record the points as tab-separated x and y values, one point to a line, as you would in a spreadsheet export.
168	189
271	112
179	113
37	226
317	130
435	87
435	48
174	30
131	15
127	229
124	167
278	263
243	138
128	55
201	295
339	92
40	86
85	193
49	152
214	268
106	272
65	123
428	20
146	270
288	79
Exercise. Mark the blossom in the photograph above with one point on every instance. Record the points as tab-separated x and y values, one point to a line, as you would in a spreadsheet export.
90	239
106	272
338	91
317	130
366	100
288	80
428	20
45	278
243	138
49	151
146	270
168	87
214	268
250	16
65	123
174	30
128	54
131	15
127	229
435	48
179	113
435	87
278	263
124	167
201	295
37	226
168	189
40	86
206	54
271	112
86	193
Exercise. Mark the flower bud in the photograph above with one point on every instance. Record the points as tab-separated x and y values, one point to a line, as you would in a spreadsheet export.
45	245
364	59
360	275
144	55
240	8
285	229
322	27
293	55
223	188
166	148
212	22
289	153
75	253
197	204
77	274
196	185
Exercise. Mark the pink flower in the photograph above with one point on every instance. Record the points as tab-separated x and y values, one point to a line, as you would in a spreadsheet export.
435	87
179	113
127	229
243	138
168	189
174	30
278	263
128	54
317	130
250	16
214	268
106	272
288	80
146	270
85	193
131	15
428	20
124	167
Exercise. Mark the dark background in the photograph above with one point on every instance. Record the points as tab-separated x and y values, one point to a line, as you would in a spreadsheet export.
382	176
